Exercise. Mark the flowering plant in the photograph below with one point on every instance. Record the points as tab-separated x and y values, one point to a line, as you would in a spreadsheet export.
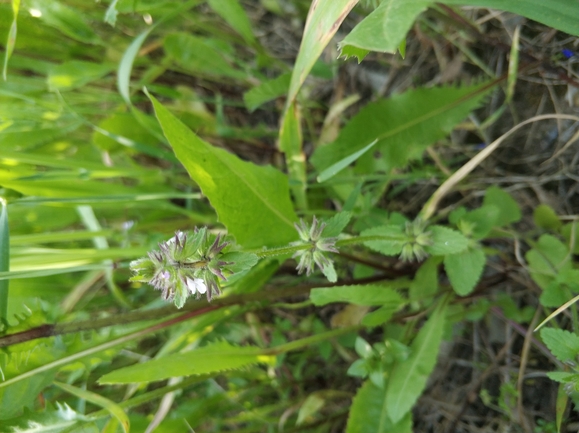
191	264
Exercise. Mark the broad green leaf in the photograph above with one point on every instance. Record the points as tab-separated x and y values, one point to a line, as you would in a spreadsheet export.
445	241
14	397
563	344
404	125
4	257
198	55
509	210
267	91
385	29
545	217
408	379
548	257
107	404
369	413
334	169
75	73
64	18
479	222
336	224
359	295
560	14
232	12
11	38
465	269
392	239
252	201
220	356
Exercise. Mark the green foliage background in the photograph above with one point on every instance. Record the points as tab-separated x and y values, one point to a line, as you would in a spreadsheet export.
123	121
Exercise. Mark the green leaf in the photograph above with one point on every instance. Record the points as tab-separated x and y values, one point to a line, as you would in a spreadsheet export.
384	30
324	19
369	414
266	91
359	295
252	201
560	14
445	241
404	125
334	169
391	245
220	356
349	51
425	283
481	220
126	65
336	224
545	217
408	378
67	20
548	257
232	12
563	344
465	269
16	396
75	74
381	315
363	348
311	405
198	55
111	13
241	261
110	406
11	38
509	210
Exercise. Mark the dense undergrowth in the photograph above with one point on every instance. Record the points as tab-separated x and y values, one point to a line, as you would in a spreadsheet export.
356	216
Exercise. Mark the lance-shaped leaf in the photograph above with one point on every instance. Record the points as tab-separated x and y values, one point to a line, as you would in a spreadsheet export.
216	357
324	19
404	125
560	14
252	201
408	378
369	414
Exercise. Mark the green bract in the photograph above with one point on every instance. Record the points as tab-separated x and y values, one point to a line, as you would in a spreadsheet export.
315	254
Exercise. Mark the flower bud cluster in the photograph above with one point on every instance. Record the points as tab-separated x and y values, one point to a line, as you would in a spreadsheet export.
186	264
418	238
318	247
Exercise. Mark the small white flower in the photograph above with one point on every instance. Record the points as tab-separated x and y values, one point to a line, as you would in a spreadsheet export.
196	285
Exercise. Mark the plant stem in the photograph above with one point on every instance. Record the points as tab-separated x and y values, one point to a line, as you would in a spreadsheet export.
298	344
4	258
